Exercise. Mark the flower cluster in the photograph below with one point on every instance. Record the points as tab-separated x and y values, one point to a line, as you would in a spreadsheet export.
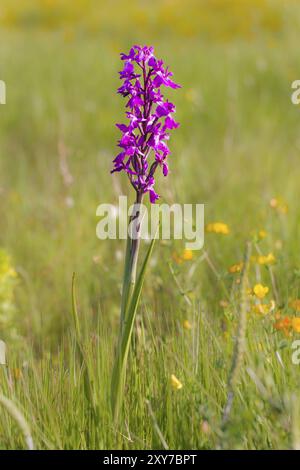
150	119
287	325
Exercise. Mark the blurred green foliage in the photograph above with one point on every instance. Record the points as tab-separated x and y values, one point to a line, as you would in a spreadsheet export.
216	19
8	277
237	148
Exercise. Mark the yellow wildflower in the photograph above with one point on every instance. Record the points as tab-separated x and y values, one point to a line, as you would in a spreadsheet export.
176	384
296	324
186	325
268	259
218	227
262	234
187	255
236	268
260	291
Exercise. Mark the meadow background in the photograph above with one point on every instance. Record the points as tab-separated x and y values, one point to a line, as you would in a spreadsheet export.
237	151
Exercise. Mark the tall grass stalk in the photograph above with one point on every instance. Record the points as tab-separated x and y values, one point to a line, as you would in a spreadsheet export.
239	348
89	380
16	414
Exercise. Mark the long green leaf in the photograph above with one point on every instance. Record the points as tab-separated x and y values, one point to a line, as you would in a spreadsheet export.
126	281
119	370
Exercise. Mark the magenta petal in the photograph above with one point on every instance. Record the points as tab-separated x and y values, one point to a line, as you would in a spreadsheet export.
153	196
170	123
165	169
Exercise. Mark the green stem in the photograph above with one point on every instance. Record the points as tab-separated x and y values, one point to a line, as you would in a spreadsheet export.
128	310
130	266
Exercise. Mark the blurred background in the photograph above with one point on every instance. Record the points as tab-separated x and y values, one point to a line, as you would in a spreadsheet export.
214	19
237	147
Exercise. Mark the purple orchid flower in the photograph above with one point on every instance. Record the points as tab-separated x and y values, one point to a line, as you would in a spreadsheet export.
150	117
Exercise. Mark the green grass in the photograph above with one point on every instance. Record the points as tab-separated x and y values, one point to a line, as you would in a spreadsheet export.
238	146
